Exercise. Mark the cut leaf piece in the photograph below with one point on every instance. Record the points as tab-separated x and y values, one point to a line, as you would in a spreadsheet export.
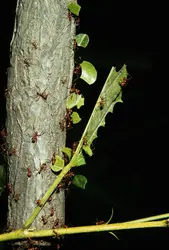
80	102
74	100
82	40
59	164
89	73
68	152
74	8
75	118
80	181
88	150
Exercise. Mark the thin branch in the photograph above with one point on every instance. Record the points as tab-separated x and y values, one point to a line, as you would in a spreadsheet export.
27	233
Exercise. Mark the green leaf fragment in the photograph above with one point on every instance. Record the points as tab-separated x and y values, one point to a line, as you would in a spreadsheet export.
88	72
74	8
68	152
74	100
59	164
82	40
80	181
75	118
87	150
80	102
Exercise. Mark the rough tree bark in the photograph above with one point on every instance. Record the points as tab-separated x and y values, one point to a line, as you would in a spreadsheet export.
42	61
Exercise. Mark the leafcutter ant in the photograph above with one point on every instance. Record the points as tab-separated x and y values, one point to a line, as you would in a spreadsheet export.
6	93
52	212
101	103
74	90
66	181
43	95
43	167
68	118
100	222
9	188
69	15
3	148
16	197
77	20
27	62
53	159
34	45
74	45
56	223
29	172
35	137
124	81
38	202
50	199
44	220
85	141
77	70
74	146
65	158
62	125
12	151
3	133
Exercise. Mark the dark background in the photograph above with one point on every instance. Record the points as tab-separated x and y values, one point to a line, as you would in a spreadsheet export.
129	168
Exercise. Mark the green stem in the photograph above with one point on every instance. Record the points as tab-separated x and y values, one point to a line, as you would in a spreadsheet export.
155	217
47	195
22	234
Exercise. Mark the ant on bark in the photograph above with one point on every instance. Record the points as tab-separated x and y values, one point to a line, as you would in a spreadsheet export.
44	220
62	124
35	137
29	172
12	151
43	95
70	15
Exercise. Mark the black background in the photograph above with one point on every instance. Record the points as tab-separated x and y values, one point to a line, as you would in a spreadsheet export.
129	168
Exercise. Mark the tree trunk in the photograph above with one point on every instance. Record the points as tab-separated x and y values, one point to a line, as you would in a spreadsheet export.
39	78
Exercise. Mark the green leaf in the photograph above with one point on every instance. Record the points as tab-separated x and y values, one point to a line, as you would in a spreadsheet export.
80	181
59	164
88	150
75	118
82	40
74	8
88	72
74	100
68	152
110	95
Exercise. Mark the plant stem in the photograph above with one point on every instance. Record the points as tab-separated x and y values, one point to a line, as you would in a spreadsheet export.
152	218
22	234
47	195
